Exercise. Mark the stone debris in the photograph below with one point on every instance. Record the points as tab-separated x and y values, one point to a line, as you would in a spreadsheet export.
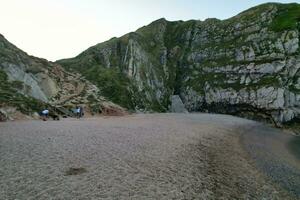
177	106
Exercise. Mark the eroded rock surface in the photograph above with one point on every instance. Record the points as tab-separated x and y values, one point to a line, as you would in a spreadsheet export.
250	62
176	105
43	81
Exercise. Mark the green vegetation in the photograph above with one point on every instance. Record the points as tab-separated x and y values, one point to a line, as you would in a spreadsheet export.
293	87
112	83
17	84
214	43
220	80
10	97
112	79
214	80
268	81
288	17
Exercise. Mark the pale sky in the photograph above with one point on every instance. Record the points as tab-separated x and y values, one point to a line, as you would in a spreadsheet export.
56	29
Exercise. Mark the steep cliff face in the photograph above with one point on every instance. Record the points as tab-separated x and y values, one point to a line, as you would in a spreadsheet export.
29	83
246	65
131	70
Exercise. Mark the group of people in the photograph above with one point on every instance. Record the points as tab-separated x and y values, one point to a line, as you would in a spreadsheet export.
78	111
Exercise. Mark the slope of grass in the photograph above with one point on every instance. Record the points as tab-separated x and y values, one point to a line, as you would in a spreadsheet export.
288	17
216	39
112	84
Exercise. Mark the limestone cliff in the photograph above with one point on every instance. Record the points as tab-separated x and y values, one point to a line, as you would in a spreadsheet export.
29	83
246	65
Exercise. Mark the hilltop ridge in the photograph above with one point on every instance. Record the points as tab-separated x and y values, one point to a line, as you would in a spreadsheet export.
246	65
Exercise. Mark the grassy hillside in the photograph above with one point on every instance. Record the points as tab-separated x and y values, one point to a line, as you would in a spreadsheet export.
172	55
288	17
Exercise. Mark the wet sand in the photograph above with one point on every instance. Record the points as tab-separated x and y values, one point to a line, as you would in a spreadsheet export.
294	146
276	154
158	156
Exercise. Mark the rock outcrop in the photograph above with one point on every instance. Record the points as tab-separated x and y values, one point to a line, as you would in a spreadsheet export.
29	83
3	116
177	105
247	65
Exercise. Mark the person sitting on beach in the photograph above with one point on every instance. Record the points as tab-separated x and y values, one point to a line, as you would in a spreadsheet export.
78	112
45	114
54	116
81	113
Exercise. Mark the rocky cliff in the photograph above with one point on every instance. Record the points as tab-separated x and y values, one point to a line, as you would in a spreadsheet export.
30	84
246	65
